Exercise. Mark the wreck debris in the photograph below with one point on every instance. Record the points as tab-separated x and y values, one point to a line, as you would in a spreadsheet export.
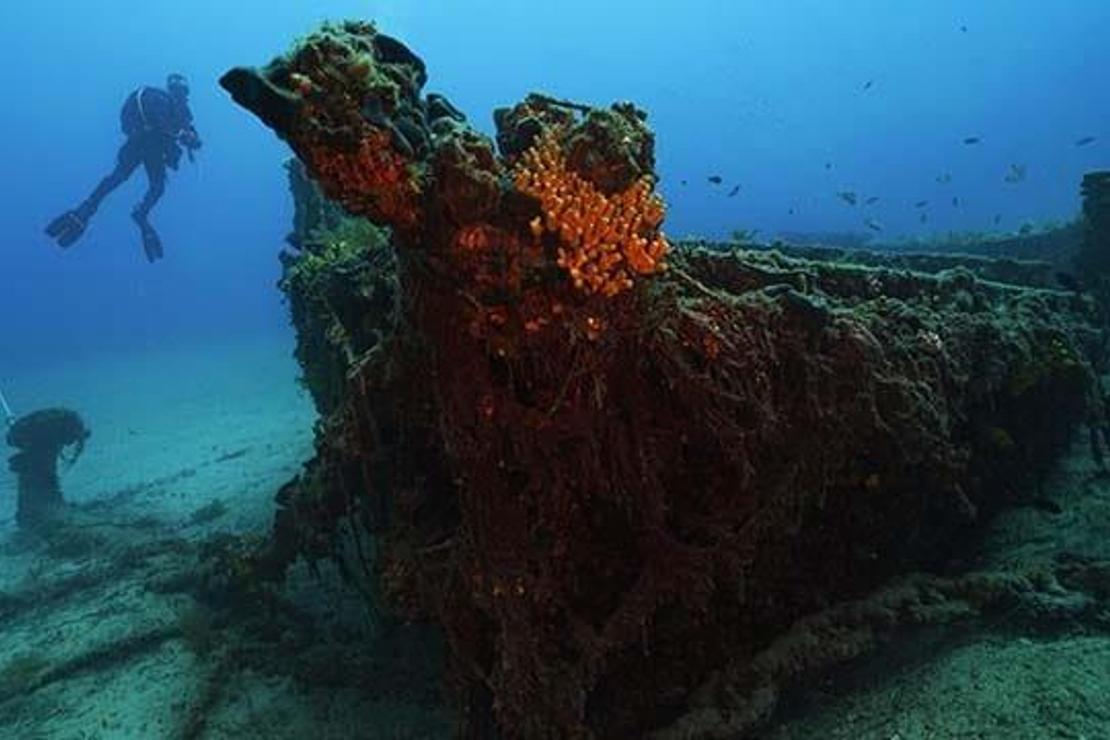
41	438
605	486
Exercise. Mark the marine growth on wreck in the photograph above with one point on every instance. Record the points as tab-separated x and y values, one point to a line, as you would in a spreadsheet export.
612	466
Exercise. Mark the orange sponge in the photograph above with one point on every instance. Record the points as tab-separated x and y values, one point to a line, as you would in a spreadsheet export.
605	239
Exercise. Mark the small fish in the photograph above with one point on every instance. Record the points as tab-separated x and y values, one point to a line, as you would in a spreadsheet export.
715	179
963	29
872	199
683	182
972	140
873	224
921	204
955	201
1085	141
997	219
828	165
848	197
944	178
735	189
791	211
1016	173
867	85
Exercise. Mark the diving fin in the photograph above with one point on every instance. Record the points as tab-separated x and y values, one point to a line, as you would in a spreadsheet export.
152	243
67	228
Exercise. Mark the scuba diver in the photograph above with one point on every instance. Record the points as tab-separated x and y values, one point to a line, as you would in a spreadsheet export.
157	124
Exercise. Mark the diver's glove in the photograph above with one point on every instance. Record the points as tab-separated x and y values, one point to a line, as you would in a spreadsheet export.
189	139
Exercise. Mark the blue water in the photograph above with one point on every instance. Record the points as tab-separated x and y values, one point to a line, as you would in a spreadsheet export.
763	94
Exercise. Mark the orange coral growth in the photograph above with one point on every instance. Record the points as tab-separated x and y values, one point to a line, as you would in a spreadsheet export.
606	239
373	180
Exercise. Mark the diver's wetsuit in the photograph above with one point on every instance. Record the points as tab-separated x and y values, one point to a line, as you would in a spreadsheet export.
156	124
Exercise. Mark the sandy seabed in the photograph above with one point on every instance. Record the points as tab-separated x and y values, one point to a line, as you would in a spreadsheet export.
176	413
90	646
